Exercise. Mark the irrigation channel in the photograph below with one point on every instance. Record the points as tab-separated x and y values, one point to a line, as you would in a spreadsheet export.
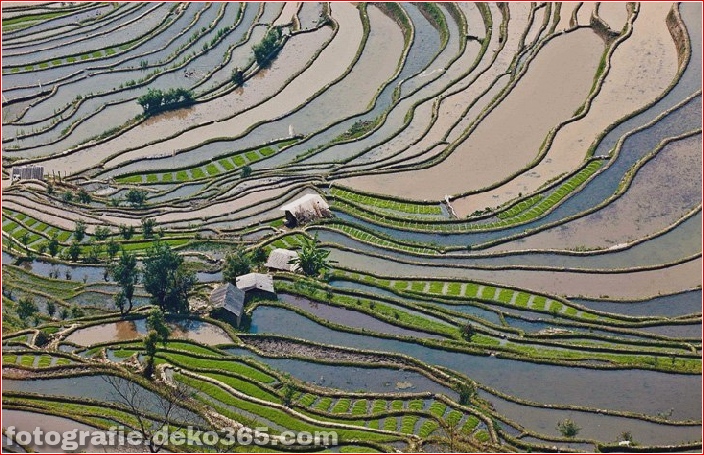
494	212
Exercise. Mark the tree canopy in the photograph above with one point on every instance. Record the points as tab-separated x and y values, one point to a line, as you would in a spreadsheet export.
126	273
167	279
312	259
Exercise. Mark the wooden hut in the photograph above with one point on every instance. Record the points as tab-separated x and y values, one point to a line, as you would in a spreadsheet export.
227	303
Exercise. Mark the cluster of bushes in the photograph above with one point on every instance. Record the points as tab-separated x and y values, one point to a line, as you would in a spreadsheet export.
156	100
265	51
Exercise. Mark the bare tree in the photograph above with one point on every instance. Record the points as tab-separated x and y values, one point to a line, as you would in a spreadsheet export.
152	411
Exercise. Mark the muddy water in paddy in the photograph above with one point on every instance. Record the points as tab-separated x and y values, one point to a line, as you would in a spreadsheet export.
468	88
641	69
642	284
121	35
593	426
329	65
603	185
663	191
292	59
614	13
202	332
584	13
566	9
28	421
681	242
378	63
349	318
550	91
351	378
669	305
634	390
430	83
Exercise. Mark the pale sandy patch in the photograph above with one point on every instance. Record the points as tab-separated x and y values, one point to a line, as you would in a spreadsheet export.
556	83
475	20
584	14
614	13
662	192
287	14
641	69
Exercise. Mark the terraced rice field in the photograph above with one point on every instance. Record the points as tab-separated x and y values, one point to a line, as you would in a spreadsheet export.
511	259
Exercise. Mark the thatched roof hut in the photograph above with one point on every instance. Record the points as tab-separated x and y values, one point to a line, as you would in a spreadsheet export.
306	208
280	258
227	303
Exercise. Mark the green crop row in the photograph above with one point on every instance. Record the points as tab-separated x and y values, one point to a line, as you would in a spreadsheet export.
215	168
386	204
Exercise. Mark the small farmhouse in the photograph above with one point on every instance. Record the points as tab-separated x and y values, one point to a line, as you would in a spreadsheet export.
256	283
280	259
227	303
304	209
28	172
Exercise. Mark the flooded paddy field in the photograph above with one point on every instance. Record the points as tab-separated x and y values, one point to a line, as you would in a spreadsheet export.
457	227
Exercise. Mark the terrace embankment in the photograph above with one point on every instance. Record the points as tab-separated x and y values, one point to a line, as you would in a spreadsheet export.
641	70
556	83
662	192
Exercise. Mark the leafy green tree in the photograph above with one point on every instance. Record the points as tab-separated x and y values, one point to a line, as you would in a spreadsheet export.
246	171
156	100
136	197
102	232
50	308
84	197
151	101
238	76
53	246
312	259
79	232
26	308
258	256
126	231
42	247
148	225
25	242
77	312
568	428
167	279
94	251
112	248
467	392
288	391
236	263
74	251
265	51
157	323
150	350
126	273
